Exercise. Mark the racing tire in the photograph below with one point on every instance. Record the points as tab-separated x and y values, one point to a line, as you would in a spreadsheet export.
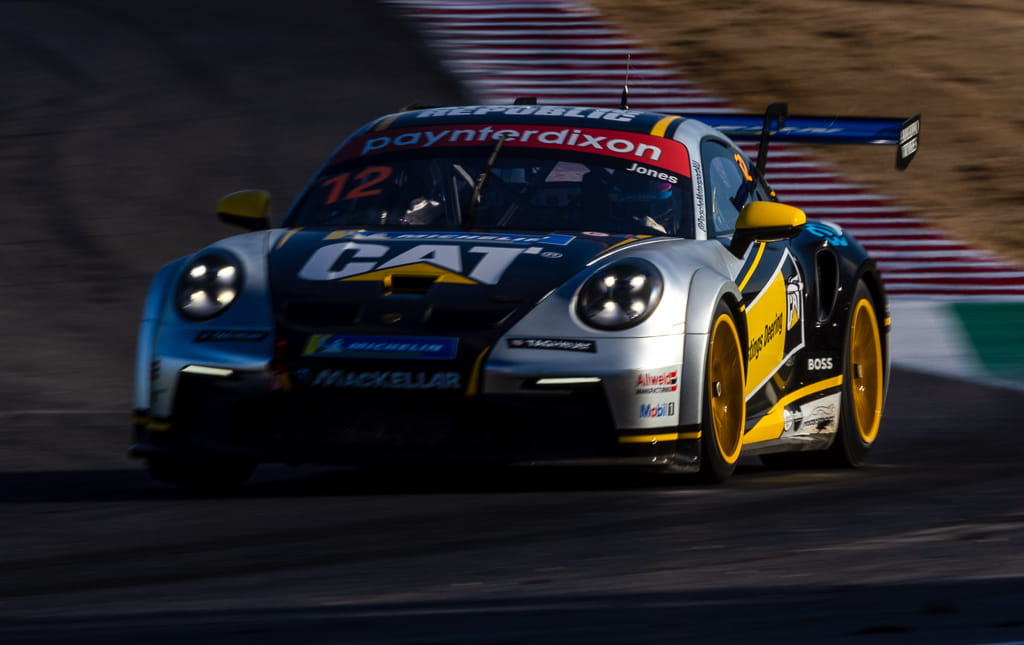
725	407
863	384
200	474
863	393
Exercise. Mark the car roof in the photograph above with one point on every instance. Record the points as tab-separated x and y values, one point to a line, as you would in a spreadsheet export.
637	121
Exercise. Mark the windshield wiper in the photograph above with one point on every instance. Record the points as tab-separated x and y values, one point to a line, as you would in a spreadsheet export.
481	184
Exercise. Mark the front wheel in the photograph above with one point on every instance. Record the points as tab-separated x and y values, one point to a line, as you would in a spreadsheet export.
200	474
725	407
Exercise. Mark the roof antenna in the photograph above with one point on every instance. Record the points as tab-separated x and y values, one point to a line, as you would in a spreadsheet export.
624	99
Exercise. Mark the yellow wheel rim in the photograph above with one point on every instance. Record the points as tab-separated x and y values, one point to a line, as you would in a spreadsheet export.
725	388
866	371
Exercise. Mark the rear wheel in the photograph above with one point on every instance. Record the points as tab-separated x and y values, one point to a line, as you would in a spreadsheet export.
863	392
863	384
725	409
200	474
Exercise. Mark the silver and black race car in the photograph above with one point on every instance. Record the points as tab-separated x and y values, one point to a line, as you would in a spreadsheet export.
523	284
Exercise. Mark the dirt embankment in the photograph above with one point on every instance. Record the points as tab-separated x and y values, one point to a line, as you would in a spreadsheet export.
959	63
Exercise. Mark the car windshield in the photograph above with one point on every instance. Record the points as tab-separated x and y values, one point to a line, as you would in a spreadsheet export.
499	187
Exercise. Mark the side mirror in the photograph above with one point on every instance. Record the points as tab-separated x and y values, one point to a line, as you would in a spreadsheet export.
249	209
766	222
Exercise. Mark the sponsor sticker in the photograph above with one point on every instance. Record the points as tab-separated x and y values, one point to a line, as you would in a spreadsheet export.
698	187
475	264
607	114
554	239
771	331
613	143
812	419
230	336
822	363
403	347
656	410
657	382
819	418
379	379
654	173
564	344
774	323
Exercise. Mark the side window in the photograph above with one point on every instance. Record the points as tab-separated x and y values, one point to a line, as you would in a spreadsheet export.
763	193
725	172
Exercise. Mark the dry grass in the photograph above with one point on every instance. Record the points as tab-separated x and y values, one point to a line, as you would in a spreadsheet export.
959	63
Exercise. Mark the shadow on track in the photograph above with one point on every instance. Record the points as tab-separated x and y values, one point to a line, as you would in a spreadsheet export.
32	487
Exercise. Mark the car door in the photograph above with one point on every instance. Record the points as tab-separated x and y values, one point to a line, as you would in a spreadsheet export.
769	280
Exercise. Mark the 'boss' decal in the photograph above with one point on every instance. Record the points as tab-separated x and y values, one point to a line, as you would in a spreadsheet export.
820	364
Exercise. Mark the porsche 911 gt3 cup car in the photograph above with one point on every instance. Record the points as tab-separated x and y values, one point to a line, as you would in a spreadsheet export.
523	284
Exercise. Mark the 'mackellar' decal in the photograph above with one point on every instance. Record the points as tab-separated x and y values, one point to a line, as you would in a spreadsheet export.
378	379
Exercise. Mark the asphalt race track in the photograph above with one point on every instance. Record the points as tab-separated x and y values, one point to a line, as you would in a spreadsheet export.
119	129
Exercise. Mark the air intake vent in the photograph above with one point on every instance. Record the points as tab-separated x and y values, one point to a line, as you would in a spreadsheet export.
465	318
322	314
408	284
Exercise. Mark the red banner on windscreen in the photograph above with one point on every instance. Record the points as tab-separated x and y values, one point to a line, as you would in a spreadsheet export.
641	148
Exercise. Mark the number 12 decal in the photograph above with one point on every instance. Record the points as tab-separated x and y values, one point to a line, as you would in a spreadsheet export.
369	177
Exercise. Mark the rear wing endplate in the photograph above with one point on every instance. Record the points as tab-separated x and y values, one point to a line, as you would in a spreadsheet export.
776	124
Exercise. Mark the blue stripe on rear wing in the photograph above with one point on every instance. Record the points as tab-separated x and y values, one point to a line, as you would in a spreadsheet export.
902	133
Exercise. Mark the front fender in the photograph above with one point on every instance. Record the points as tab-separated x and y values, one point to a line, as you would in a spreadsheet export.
707	289
145	346
168	337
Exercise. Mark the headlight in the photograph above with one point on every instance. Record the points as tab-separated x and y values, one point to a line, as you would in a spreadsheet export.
209	285
620	295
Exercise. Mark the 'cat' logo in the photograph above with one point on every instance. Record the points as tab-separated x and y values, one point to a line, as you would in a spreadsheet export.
476	264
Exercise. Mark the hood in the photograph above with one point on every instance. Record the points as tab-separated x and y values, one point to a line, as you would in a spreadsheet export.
424	272
454	290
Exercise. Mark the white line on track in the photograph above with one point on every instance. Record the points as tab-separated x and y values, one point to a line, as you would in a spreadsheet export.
8	414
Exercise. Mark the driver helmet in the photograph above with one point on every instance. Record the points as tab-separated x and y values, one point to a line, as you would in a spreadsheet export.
644	200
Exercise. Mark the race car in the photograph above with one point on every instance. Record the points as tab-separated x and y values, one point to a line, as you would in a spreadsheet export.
524	284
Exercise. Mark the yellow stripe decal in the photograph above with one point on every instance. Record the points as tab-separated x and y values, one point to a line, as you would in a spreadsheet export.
770	426
475	375
288	236
661	127
753	266
622	243
340	233
653	438
158	426
385	123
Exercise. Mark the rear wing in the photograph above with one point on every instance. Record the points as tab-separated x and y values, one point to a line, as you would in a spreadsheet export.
778	125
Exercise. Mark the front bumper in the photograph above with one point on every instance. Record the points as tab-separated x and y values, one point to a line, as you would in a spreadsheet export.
242	417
